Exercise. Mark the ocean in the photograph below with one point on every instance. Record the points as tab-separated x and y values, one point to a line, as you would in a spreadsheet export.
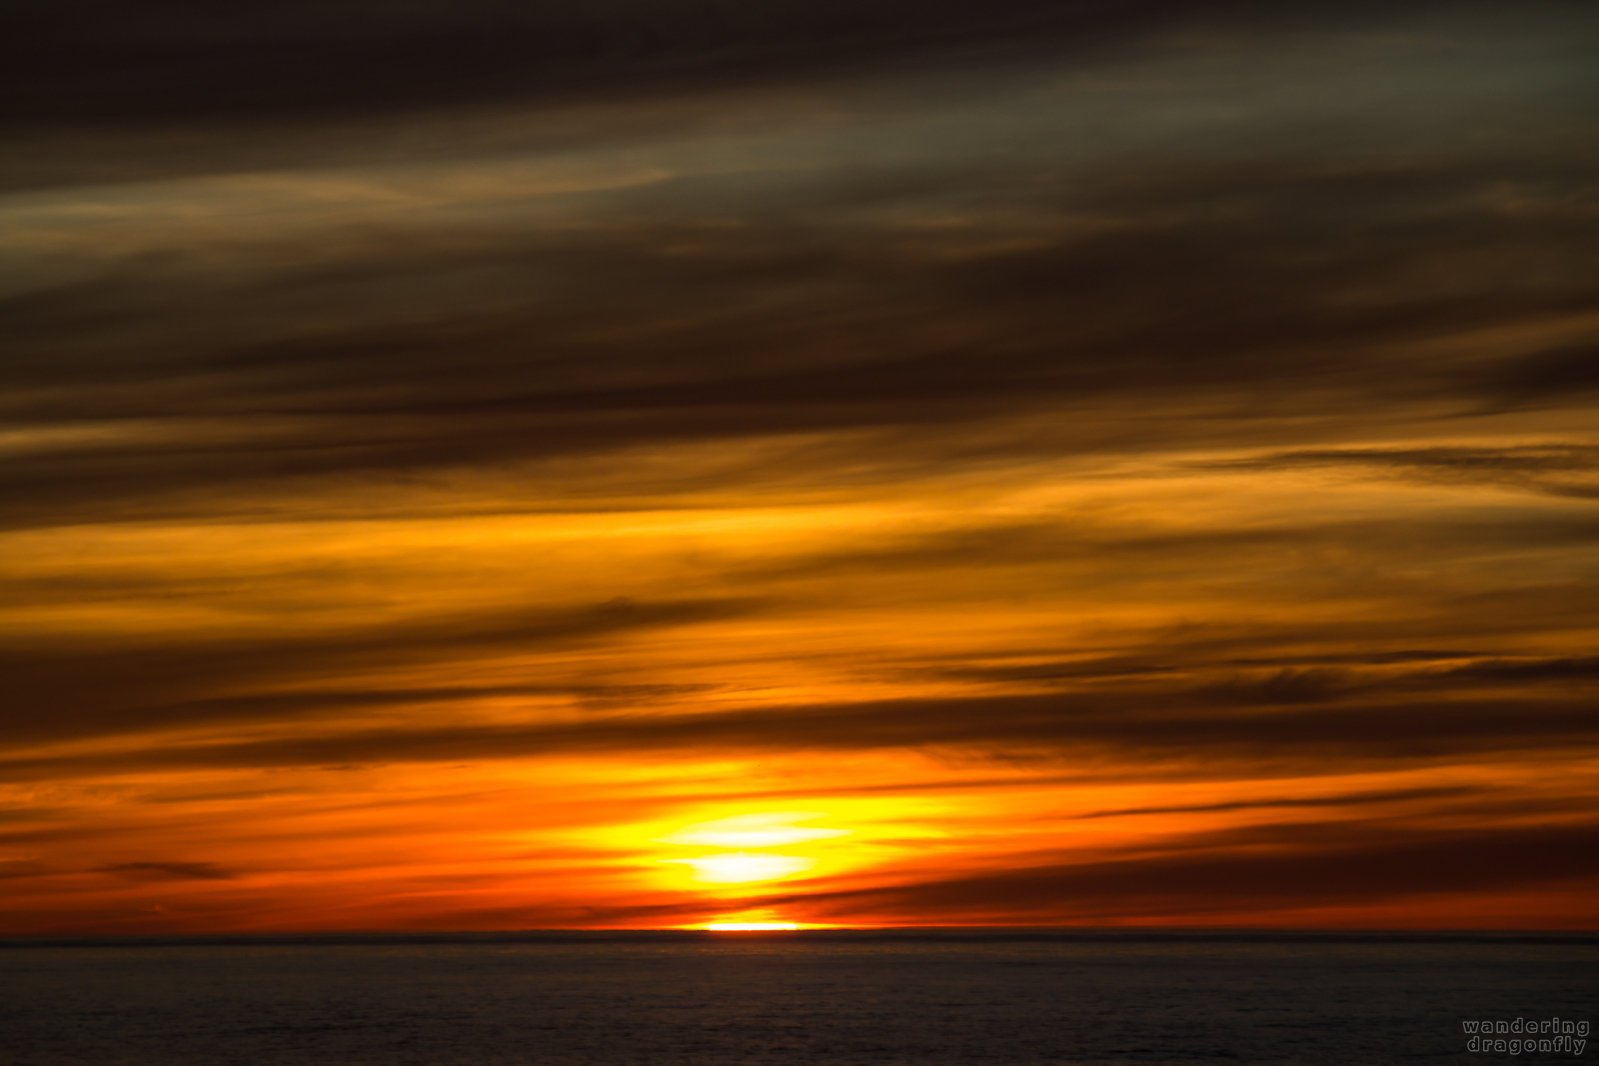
810	997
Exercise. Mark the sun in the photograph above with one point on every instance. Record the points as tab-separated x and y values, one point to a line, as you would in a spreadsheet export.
742	842
748	927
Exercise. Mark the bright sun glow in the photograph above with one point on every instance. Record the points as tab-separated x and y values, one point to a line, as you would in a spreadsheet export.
747	927
767	830
737	867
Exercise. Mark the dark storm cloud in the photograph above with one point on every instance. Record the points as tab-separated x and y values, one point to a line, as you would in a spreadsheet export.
1299	865
169	871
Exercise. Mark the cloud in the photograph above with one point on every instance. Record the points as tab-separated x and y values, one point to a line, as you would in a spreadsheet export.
1080	394
1346	799
1585	668
169	871
1280	866
1132	731
1557	469
89	61
97	689
16	868
936	298
1547	375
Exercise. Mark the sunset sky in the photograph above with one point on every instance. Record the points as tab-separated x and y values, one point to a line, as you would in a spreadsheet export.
651	463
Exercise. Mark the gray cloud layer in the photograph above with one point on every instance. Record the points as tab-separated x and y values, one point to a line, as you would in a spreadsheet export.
87	60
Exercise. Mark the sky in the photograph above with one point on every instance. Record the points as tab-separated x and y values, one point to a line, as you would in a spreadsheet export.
665	463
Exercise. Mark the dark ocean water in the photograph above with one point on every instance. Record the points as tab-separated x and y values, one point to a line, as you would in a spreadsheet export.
1090	999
